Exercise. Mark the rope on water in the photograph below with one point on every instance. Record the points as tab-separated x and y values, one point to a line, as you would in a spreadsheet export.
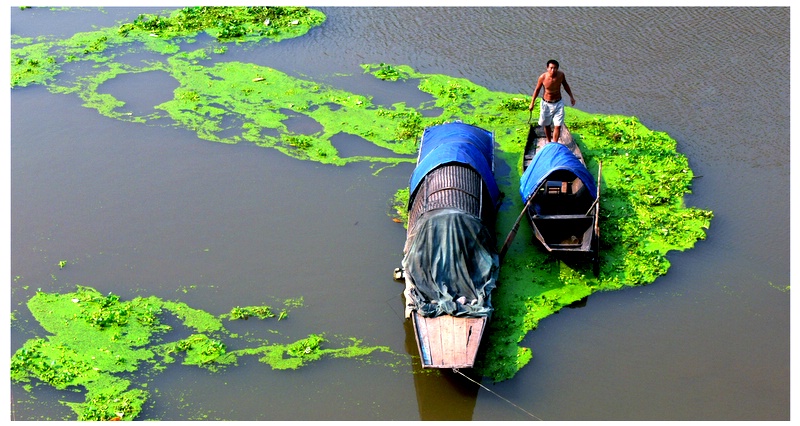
497	395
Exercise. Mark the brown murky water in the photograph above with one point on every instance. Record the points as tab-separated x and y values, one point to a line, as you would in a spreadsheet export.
142	210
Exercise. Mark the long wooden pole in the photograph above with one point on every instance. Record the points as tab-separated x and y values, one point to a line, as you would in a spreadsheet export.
513	232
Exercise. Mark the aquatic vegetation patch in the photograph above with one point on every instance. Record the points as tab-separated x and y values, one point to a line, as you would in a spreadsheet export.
112	403
196	319
228	22
388	72
39	61
199	350
400	206
95	343
212	92
261	312
32	64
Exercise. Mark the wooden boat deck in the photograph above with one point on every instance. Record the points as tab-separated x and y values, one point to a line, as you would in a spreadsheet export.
448	342
537	139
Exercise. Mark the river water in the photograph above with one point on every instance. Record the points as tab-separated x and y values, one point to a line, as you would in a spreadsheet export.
150	210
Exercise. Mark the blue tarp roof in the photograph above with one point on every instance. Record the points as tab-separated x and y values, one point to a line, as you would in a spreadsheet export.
460	143
549	158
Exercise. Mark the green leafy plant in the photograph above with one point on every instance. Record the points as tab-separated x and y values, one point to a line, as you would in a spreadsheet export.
262	312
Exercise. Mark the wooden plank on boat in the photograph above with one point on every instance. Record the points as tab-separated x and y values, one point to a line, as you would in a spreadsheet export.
537	135
447	336
474	334
448	342
460	339
423	340
434	340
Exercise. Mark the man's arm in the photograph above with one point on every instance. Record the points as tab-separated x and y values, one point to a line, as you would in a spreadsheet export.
539	84
569	91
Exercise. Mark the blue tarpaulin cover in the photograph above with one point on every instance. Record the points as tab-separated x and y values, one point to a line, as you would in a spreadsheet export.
460	143
551	157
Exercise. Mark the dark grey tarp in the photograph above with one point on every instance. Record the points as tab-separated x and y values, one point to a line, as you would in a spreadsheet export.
453	264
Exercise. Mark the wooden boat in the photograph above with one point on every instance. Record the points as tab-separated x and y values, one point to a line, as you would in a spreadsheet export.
450	262
564	199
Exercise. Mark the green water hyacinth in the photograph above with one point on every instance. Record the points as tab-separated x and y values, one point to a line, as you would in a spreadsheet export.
94	342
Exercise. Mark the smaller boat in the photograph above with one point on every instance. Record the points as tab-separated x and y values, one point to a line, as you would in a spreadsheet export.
450	262
560	194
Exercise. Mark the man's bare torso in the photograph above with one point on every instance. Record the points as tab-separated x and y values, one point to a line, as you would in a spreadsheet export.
552	85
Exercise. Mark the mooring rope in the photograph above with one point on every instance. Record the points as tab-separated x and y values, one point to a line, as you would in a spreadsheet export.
497	395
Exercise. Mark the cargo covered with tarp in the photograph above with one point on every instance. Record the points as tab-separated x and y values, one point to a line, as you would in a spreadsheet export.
453	265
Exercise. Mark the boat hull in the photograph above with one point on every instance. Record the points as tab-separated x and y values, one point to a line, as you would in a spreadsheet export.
565	200
447	341
450	263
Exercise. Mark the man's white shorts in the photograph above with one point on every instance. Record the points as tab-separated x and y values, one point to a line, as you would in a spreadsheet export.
551	113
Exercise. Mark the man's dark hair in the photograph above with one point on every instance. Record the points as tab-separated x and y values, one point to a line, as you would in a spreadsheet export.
554	62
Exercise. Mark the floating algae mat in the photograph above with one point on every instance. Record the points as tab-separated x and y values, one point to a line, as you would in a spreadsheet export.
95	339
644	178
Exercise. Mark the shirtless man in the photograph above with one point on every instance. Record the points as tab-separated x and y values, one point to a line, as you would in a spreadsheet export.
551	109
